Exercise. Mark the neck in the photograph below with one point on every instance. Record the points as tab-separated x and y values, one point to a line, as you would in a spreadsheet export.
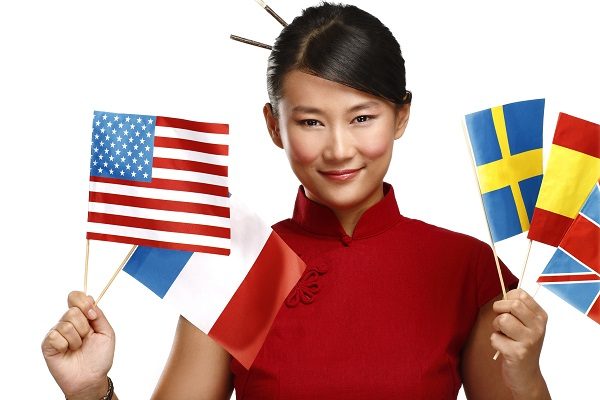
349	217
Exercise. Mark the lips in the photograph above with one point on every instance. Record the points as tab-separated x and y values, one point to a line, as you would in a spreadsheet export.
340	174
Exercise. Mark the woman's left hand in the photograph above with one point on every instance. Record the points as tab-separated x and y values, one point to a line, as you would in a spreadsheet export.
519	333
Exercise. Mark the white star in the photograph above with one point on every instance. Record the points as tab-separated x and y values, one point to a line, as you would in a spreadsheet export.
101	156
122	159
127	119
143	127
112	144
120	125
101	143
122	173
128	166
104	117
139	167
130	139
148	134
141	154
105	164
149	122
117	165
139	120
118	152
135	147
133	174
106	151
118	138
111	158
132	126
97	123
102	130
145	175
95	149
111	171
147	148
134	160
114	131
137	133
146	161
107	137
95	163
99	170
116	117
129	154
124	145
126	132
96	136
142	140
109	124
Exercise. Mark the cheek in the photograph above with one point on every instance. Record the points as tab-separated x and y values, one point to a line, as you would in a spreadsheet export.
302	148
377	146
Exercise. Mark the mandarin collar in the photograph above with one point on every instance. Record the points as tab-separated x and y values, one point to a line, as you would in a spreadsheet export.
319	219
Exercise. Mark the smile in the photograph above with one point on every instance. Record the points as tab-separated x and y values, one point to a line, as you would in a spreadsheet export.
341	174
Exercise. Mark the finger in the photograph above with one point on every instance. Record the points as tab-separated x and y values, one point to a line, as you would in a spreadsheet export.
520	294
511	327
75	316
54	343
84	302
509	348
68	331
100	324
517	308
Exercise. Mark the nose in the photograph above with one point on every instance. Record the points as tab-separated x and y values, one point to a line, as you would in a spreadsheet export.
340	145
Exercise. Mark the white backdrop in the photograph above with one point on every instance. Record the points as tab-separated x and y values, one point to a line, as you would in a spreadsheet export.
61	60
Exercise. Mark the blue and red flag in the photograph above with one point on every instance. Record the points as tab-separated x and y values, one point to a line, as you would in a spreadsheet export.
573	272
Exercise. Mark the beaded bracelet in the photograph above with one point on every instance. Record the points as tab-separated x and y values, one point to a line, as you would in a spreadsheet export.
109	392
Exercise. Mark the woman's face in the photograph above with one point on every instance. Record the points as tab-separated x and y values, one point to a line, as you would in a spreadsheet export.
338	139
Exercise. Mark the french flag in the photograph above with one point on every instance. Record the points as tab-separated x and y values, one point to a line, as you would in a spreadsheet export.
233	299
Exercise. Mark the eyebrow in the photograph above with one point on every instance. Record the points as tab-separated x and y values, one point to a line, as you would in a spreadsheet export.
314	110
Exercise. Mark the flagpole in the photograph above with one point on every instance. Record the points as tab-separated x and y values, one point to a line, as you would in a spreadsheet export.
127	257
474	168
87	257
524	265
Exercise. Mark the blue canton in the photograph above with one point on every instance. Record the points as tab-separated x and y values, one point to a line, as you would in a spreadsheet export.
122	146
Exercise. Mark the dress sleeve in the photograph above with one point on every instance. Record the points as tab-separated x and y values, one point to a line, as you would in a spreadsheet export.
488	282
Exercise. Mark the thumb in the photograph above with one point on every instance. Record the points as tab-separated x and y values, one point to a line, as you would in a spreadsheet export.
99	322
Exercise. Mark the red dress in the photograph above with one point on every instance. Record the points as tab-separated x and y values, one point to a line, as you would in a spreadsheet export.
383	314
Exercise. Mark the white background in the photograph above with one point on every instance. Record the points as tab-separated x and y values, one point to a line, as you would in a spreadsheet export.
60	60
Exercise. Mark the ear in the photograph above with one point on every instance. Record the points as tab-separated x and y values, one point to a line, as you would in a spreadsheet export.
272	125
402	114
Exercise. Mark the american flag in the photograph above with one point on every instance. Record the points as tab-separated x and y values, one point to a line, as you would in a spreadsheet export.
159	182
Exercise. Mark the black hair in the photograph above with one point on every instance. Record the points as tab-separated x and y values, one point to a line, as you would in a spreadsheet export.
341	43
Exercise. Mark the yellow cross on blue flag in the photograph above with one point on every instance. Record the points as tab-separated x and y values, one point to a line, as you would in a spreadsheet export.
507	147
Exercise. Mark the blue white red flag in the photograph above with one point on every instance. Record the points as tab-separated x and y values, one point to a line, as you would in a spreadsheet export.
573	272
159	182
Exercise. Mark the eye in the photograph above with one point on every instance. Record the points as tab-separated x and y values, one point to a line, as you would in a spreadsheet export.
363	118
309	122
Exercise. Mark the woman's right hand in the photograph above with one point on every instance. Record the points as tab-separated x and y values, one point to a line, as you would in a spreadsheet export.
79	349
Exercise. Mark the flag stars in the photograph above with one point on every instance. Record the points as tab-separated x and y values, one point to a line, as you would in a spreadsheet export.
140	167
143	127
105	164
129	154
97	123
134	160
133	173
109	124
99	170
126	132
106	151
122	173
142	140
111	158
150	122
95	149
135	146
116	117
145	175
147	148
118	152
122	159
121	125
146	161
110	171
114	131
139	120
117	165
102	130
96	136
137	133
130	140
104	117
141	154
107	137
128	167
119	138
100	156
127	119
124	145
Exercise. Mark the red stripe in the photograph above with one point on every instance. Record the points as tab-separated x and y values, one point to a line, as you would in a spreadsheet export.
594	312
192	125
159	225
168	205
156	243
245	321
169	184
194	166
548	227
577	134
568	278
579	242
192	145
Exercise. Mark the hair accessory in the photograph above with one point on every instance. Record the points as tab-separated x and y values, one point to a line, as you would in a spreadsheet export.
254	42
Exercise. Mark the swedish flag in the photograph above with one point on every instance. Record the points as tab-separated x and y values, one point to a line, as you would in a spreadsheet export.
507	145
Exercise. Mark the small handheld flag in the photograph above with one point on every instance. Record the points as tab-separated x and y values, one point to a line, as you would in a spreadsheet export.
573	272
573	167
507	147
160	182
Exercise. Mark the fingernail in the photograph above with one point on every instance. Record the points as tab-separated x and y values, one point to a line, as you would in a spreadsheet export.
92	314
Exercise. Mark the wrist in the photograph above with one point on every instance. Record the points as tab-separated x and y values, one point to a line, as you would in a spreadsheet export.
103	389
536	389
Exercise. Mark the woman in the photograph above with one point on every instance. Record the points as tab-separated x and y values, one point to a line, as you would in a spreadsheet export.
389	307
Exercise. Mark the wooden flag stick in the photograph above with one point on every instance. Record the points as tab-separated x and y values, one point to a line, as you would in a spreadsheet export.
87	257
273	13
524	265
249	41
472	159
116	272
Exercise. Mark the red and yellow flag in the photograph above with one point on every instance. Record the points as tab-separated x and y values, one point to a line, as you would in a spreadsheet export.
573	167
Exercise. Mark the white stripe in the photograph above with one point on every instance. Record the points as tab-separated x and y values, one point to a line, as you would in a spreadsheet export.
178	154
589	219
171	237
161	215
208	281
160	194
205	137
189	176
592	303
565	282
576	260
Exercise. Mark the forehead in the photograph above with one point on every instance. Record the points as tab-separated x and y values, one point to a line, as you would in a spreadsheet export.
305	90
